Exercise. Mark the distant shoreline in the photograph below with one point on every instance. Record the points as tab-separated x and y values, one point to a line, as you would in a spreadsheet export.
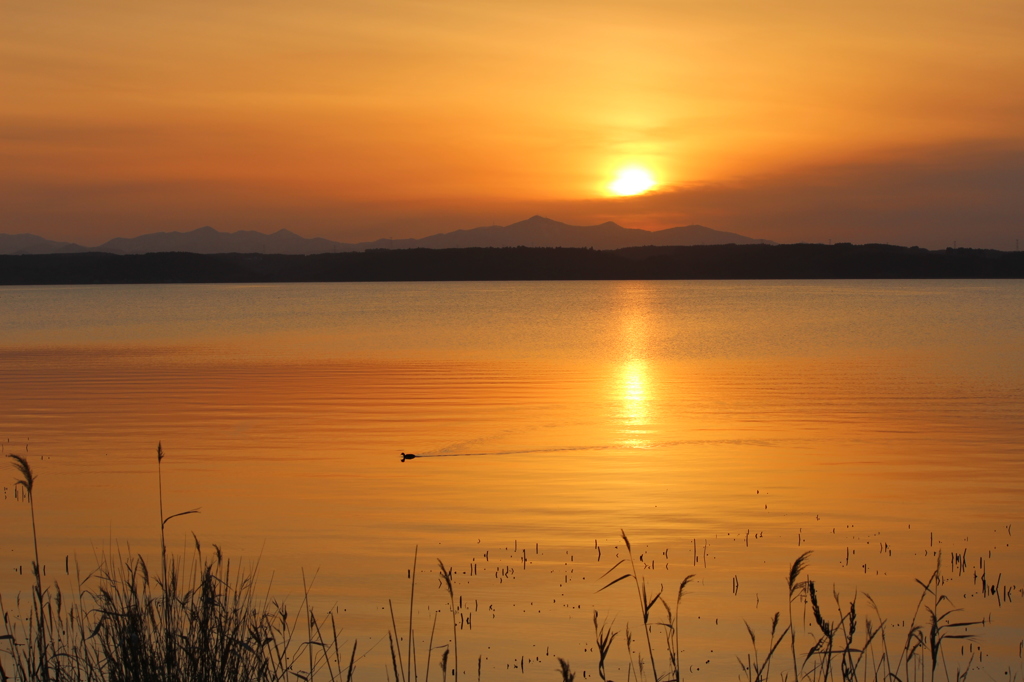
730	261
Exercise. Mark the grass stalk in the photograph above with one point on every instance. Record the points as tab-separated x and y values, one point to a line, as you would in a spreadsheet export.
446	575
604	636
27	482
396	645
677	658
204	620
796	588
646	603
412	598
430	648
168	663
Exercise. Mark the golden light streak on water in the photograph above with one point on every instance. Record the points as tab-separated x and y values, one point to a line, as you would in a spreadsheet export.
725	426
634	393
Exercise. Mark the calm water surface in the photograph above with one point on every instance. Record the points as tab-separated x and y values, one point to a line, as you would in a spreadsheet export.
726	427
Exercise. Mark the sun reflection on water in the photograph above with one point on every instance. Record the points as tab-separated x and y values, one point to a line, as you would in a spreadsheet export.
635	410
633	390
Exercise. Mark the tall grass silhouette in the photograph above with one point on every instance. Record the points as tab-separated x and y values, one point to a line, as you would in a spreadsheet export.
204	618
27	482
647	604
842	649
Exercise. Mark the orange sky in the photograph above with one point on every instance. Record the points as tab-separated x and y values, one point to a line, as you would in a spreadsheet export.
354	120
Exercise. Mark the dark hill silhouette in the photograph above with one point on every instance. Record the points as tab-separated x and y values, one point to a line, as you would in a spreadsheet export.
30	243
536	231
752	261
539	231
209	240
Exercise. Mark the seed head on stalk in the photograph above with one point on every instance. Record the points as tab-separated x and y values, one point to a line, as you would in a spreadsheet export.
28	482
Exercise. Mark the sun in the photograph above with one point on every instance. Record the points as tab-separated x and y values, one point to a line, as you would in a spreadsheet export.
631	181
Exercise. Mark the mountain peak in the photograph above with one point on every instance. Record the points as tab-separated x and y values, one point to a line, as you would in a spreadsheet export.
535	231
537	219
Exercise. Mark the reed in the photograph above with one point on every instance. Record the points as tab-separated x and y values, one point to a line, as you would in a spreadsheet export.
566	671
673	642
756	668
204	618
117	629
169	649
407	669
845	647
27	482
603	636
446	575
647	602
842	650
796	588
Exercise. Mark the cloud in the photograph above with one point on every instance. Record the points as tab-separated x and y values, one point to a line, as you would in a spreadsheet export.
971	193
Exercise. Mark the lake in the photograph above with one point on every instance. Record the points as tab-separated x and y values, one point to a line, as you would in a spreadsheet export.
725	427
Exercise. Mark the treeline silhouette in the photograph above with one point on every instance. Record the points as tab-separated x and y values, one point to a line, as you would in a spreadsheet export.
754	261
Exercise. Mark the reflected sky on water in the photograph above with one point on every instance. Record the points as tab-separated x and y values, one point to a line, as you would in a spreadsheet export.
726	426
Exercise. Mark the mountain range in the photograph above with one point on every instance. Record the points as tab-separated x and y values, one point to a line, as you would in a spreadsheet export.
536	231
